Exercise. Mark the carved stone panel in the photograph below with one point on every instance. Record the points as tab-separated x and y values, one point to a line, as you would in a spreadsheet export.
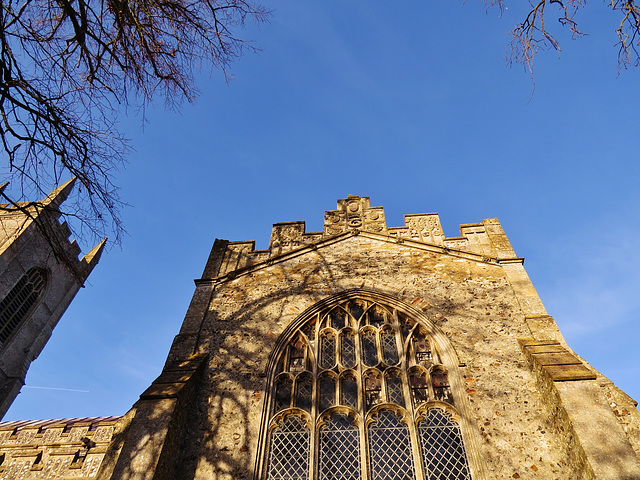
286	237
354	213
425	228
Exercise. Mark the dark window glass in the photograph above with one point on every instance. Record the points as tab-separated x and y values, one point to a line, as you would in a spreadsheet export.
419	387
283	393
369	349
376	316
357	309
422	349
338	318
339	449
15	307
347	349
349	391
373	388
296	356
395	392
389	348
327	351
441	389
327	392
303	392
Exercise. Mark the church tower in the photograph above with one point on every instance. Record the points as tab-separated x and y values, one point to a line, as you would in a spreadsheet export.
39	275
369	352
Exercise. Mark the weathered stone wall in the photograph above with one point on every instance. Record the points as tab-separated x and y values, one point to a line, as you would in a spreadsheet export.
69	448
522	422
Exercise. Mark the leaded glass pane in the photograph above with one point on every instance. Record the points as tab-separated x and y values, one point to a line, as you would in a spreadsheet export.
369	348
328	351
339	450
296	356
289	452
338	318
356	309
422	349
373	388
376	316
442	447
327	392
347	349
441	388
418	382
349	391
395	392
389	347
303	392
283	393
390	449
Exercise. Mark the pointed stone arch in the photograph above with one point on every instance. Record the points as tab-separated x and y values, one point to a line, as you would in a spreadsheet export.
398	323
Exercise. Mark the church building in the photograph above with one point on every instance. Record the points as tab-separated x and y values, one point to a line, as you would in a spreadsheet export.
40	273
369	352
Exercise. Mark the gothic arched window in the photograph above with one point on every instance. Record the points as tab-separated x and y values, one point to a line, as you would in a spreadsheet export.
359	392
18	304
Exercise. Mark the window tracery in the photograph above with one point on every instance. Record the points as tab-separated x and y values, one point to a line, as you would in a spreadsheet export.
20	300
375	404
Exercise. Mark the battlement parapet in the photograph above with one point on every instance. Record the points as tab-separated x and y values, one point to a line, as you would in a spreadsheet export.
355	214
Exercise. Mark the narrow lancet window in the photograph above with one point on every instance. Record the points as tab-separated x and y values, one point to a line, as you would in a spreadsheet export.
369	348
349	391
284	385
347	349
328	351
327	391
17	305
304	390
373	387
395	393
389	348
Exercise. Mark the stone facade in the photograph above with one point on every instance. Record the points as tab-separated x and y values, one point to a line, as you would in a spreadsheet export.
40	273
446	326
66	448
527	405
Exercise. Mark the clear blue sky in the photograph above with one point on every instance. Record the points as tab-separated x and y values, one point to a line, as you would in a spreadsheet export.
409	103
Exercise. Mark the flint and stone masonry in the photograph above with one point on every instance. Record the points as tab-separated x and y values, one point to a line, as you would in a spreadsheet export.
373	352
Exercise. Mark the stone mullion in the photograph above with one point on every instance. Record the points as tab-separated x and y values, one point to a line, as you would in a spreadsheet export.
408	400
315	435
362	404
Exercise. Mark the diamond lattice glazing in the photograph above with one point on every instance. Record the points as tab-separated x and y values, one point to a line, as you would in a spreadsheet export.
339	450
289	459
442	448
390	448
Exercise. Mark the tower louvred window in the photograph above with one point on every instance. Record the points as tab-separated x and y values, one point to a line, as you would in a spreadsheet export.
371	403
20	301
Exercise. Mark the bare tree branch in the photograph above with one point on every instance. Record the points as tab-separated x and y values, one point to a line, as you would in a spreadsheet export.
66	66
534	34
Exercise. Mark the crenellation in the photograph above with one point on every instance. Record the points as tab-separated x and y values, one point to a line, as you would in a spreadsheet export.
40	449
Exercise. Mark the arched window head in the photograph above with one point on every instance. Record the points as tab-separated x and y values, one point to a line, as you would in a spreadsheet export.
358	393
16	307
